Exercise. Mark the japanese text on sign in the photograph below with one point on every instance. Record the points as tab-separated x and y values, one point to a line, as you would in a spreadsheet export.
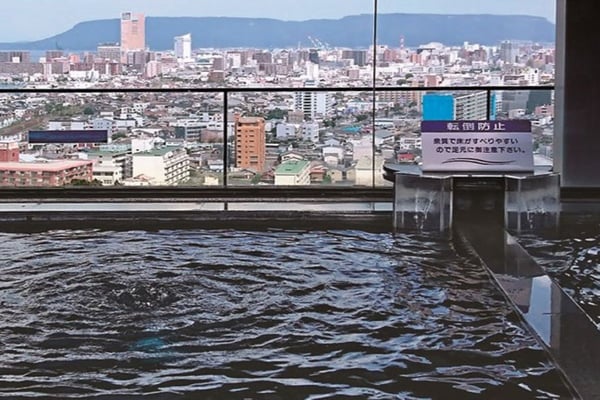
477	146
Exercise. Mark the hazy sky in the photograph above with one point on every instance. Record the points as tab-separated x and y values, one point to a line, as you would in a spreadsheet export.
37	19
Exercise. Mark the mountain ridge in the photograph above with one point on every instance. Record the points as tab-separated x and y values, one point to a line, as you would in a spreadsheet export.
354	31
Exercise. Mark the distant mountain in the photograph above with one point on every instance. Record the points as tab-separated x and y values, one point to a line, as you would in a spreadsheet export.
351	31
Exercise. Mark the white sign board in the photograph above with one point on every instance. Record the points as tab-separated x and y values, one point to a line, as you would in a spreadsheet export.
477	146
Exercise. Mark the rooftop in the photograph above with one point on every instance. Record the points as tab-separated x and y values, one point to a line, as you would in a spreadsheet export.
159	152
291	167
250	120
106	153
49	166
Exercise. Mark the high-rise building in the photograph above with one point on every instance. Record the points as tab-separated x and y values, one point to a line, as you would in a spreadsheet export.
234	60
509	52
314	104
466	106
23	57
359	57
250	148
218	64
52	54
313	56
183	47
133	31
312	65
514	99
136	58
109	51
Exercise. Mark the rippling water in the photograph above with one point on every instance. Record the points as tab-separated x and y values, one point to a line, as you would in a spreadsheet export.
575	264
274	315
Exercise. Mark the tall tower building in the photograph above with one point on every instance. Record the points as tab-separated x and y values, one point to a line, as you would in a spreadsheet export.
250	146
183	47
133	31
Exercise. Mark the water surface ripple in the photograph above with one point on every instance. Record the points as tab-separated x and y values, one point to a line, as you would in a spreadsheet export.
274	315
574	262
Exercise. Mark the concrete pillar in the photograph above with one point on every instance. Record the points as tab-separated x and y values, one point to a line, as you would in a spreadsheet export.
577	124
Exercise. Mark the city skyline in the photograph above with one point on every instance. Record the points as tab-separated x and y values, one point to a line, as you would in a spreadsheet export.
25	25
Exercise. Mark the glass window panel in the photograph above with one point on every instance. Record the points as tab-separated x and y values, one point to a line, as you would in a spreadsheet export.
266	44
536	106
304	138
434	45
150	139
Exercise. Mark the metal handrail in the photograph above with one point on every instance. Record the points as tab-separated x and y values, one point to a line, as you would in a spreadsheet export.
278	89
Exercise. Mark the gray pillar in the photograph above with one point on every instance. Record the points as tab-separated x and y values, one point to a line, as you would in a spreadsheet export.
577	124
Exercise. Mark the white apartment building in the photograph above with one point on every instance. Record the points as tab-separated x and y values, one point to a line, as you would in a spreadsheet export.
108	175
286	131
167	165
124	124
111	167
362	148
364	172
307	131
234	60
191	129
333	155
314	105
183	47
104	124
66	125
310	131
470	106
293	173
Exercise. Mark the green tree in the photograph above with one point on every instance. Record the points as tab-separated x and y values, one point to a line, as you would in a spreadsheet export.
89	110
276	113
361	117
83	182
119	135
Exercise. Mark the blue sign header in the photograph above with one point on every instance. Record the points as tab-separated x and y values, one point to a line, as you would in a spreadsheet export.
89	136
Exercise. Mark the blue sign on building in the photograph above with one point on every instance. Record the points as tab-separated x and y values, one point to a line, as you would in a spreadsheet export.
85	136
443	106
438	107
